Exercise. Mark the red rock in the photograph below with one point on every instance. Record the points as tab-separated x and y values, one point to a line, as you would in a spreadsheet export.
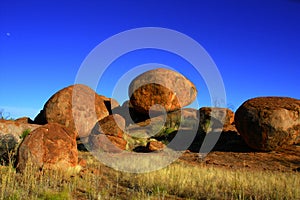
25	120
129	114
50	146
108	135
269	123
218	117
164	87
155	146
186	118
82	162
11	135
77	107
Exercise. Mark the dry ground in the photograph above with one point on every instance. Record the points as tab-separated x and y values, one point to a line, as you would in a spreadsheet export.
220	175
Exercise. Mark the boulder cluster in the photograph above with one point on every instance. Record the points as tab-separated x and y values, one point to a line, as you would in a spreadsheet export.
77	118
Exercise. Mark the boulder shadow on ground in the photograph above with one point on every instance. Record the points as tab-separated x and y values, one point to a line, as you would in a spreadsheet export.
226	141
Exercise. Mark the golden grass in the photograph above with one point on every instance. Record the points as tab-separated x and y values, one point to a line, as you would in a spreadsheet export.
177	181
195	182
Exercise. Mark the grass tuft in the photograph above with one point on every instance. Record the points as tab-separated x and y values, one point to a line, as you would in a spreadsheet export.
25	133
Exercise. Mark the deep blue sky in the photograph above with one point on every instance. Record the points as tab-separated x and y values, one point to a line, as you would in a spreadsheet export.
254	43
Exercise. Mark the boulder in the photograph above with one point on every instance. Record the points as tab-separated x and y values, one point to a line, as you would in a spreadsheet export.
51	146
155	146
108	135
77	107
24	120
166	88
268	123
129	114
11	135
161	126
215	118
149	145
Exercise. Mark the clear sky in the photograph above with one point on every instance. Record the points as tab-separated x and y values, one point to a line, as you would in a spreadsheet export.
254	43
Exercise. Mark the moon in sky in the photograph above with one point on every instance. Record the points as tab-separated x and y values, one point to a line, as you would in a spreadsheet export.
8	34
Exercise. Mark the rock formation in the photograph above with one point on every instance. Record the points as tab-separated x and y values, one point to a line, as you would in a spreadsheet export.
166	88
215	118
268	123
108	135
77	107
11	135
50	146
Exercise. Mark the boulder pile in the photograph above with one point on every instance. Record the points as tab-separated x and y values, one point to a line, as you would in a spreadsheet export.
148	121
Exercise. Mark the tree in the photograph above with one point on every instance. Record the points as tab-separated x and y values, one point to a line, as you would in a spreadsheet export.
4	115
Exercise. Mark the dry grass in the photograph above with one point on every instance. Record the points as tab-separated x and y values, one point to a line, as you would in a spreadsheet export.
194	182
177	181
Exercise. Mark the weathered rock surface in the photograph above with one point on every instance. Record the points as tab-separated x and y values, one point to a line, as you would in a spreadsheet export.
108	135
215	118
24	120
268	123
129	114
164	87
161	126
10	135
77	107
149	145
51	146
155	146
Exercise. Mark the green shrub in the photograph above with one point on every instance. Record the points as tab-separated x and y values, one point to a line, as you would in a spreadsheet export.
25	133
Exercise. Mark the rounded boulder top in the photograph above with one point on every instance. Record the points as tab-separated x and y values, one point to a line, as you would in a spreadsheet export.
77	107
167	88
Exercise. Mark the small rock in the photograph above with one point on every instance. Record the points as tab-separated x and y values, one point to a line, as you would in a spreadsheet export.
155	146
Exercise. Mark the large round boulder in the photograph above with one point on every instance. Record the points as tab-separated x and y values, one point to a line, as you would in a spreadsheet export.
50	146
163	87
77	107
268	123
